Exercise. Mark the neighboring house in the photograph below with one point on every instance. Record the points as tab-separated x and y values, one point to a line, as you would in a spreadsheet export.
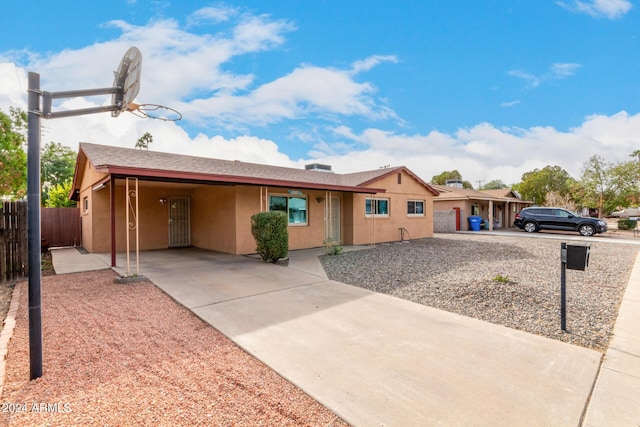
208	203
454	205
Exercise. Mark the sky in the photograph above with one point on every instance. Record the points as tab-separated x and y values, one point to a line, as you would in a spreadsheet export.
491	88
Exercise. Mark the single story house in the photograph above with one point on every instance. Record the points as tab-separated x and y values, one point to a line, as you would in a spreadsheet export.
454	205
168	200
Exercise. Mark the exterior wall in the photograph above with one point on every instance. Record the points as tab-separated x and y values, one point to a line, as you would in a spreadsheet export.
220	215
501	210
465	210
153	218
300	236
367	229
213	218
444	221
96	212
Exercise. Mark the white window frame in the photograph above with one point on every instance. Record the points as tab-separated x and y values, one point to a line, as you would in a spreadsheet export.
414	208
288	197
85	204
376	203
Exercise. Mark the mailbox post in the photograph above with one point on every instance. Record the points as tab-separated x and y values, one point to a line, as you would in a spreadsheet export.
572	257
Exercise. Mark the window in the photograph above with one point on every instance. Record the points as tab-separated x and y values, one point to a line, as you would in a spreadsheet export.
85	204
377	207
415	207
475	210
295	207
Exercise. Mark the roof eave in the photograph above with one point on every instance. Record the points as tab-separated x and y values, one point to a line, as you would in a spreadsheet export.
228	179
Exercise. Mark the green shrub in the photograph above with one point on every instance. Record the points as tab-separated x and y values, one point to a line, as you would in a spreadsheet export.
627	224
331	248
501	279
271	234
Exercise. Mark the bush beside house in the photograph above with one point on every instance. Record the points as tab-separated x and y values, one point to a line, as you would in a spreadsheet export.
269	229
626	224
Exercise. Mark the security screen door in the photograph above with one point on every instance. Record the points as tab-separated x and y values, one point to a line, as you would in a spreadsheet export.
179	223
332	230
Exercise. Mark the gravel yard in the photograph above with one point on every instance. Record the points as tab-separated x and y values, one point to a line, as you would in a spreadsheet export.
510	281
123	355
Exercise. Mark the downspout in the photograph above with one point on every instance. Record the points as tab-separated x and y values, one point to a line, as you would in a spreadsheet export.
373	222
490	215
112	214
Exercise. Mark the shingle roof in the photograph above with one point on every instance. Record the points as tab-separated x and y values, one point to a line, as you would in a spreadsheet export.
501	192
453	193
144	163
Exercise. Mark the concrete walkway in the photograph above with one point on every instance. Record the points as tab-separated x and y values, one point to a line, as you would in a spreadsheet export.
378	360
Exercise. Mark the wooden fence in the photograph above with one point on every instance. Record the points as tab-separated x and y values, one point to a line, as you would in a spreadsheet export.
13	241
60	227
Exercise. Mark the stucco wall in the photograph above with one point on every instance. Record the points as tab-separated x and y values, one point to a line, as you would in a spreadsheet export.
213	218
220	215
96	212
367	229
309	235
444	221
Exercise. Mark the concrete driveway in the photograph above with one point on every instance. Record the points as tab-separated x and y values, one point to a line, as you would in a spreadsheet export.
375	359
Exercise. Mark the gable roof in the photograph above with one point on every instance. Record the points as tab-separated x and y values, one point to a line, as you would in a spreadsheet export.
121	162
503	192
452	193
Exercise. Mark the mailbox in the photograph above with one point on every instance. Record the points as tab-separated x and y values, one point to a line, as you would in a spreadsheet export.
578	256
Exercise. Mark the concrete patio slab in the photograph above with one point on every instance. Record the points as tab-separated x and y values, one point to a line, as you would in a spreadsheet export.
378	360
375	359
71	260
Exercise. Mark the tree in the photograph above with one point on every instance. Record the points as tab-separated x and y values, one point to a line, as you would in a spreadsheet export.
59	196
537	183
495	184
144	141
607	186
13	158
447	175
58	164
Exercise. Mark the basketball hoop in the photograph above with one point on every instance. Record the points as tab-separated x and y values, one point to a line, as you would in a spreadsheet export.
127	80
154	111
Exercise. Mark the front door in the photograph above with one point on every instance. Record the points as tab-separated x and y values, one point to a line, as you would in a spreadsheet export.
179	222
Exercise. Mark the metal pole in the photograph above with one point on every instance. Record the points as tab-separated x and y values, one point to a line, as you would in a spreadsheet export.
33	224
563	286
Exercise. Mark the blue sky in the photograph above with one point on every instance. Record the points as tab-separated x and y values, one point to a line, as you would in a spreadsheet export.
493	88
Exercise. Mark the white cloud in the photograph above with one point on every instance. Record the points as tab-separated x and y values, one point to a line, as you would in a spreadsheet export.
610	9
484	152
306	91
557	71
211	15
370	62
508	104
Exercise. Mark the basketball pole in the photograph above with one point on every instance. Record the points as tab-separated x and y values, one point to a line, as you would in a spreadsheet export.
39	105
33	226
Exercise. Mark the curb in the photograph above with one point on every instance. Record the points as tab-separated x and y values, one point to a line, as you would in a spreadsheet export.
7	331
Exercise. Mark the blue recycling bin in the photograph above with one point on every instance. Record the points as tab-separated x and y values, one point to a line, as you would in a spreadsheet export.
474	222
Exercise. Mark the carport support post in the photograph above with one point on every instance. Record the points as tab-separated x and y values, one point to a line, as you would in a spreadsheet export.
33	225
563	286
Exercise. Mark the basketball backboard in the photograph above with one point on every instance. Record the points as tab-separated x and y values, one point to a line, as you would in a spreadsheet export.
127	79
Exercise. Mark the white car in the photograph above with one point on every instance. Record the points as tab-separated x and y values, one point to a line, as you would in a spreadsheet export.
626	213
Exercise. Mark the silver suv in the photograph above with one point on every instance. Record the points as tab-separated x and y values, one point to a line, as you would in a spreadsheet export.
536	219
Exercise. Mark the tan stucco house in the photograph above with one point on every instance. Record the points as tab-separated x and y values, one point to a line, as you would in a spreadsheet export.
179	200
454	205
